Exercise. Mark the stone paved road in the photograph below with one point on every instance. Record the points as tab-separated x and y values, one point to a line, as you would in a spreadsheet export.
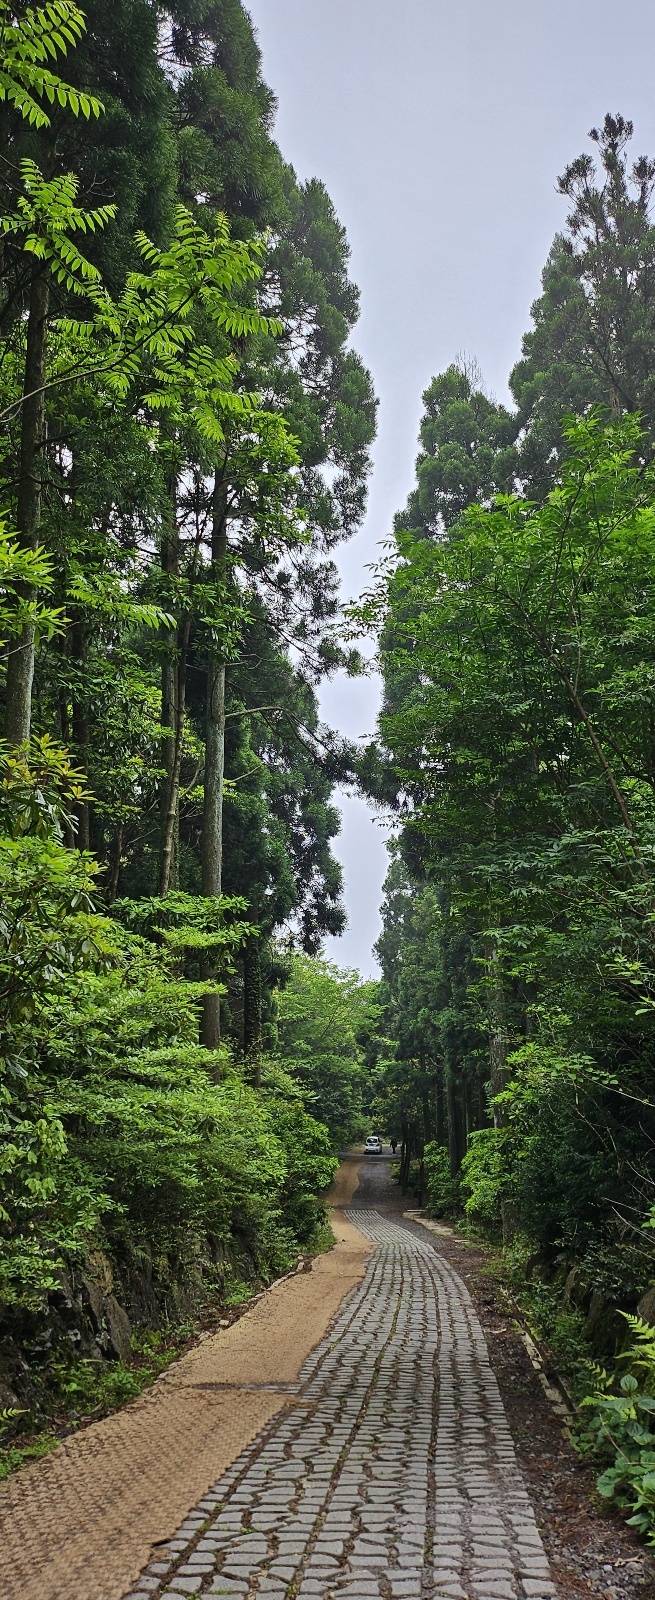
390	1473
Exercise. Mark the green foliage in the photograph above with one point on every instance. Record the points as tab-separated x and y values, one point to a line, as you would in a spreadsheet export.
15	1455
25	575
27	43
525	758
621	1429
483	1173
321	1014
593	333
204	443
112	1125
467	452
444	1192
45	217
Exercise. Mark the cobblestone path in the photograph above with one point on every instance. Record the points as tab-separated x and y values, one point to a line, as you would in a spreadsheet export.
390	1474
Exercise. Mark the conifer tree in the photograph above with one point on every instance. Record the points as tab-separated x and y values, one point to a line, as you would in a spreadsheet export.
593	339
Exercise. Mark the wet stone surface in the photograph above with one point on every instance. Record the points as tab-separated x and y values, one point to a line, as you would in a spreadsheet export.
391	1472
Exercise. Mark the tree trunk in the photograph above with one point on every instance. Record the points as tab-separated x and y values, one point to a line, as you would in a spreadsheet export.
441	1110
405	1161
80	729
170	561
468	1108
212	821
498	1061
252	1007
20	669
451	1119
116	853
428	1129
497	1027
172	795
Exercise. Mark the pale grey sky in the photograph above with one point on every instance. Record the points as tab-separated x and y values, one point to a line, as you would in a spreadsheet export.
439	128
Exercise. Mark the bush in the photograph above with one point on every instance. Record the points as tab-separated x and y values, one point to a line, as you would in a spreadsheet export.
622	1431
482	1178
117	1128
443	1190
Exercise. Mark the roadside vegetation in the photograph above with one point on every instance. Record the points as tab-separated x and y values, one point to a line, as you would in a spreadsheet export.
513	1054
186	429
185	439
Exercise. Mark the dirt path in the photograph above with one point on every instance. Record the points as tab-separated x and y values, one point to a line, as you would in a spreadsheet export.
80	1525
346	1179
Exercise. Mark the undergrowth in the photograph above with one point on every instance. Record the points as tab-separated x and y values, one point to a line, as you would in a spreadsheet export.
620	1431
560	1327
73	1390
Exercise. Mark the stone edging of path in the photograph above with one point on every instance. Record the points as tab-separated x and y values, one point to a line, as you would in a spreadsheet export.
558	1397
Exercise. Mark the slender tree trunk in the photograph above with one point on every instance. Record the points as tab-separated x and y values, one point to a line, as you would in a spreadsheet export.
212	822
405	1160
212	832
172	797
428	1118
252	1007
497	1026
451	1118
468	1108
20	669
441	1110
170	563
116	853
498	1047
482	1113
80	728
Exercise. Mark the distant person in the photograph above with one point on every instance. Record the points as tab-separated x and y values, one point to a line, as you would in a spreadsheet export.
393	1143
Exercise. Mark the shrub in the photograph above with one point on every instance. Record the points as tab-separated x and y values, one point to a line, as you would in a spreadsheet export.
116	1126
622	1430
482	1177
443	1190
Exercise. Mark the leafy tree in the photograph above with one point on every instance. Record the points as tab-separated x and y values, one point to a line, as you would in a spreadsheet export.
192	432
309	377
526	763
112	1126
322	1012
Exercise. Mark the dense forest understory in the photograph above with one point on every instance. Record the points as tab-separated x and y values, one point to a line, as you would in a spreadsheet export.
186	437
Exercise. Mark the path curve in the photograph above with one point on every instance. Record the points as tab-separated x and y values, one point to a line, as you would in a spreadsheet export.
390	1475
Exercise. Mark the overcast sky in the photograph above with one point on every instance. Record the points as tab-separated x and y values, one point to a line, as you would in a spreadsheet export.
439	128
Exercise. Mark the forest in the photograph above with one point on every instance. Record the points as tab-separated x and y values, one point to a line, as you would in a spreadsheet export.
186	440
186	437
